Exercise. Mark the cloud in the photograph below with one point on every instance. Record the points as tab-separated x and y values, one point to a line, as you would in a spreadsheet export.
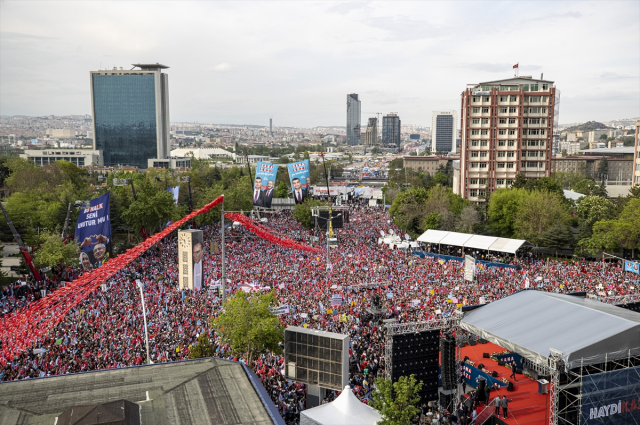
222	67
555	16
614	76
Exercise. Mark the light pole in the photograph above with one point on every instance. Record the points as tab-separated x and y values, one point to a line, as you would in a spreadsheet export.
126	182
144	314
223	278
77	204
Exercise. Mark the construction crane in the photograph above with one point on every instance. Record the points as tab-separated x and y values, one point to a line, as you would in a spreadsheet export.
23	249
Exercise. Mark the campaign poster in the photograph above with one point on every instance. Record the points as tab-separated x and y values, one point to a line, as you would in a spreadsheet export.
93	233
190	259
300	181
264	184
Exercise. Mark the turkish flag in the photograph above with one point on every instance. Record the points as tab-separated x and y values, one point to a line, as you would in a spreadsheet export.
515	66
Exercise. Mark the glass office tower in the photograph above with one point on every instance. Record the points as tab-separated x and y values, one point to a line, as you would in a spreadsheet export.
353	119
391	130
131	115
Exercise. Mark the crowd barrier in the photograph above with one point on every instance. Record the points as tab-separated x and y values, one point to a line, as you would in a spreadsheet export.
461	259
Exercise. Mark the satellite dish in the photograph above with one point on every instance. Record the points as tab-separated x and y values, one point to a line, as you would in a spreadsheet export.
382	233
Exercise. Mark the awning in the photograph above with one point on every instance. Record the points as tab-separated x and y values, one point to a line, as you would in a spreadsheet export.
480	242
466	240
508	245
432	236
455	239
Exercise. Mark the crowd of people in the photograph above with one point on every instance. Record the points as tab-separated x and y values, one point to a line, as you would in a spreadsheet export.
106	329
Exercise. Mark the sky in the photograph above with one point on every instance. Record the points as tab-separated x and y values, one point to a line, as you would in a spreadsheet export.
295	61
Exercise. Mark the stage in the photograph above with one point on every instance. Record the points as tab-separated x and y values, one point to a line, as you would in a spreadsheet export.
526	406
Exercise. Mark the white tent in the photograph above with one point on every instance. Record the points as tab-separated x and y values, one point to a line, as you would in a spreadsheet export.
346	409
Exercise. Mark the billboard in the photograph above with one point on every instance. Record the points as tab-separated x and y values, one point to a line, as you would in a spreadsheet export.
93	233
317	357
264	184
611	397
299	178
469	268
190	259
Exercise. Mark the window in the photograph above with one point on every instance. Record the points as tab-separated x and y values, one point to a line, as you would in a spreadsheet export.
532	143
524	143
485	110
475	132
513	98
484	132
502	121
525	120
545	86
474	154
503	110
474	165
474	181
475	110
542	143
543	110
473	192
534	131
512	120
532	153
512	110
485	120
534	98
482	181
483	143
534	120
483	165
534	87
500	164
509	165
501	143
534	110
512	132
475	121
483	154
476	99
485	98
511	154
504	98
500	182
542	131
532	164
543	98
511	143
474	143
481	192
502	132
502	154
543	120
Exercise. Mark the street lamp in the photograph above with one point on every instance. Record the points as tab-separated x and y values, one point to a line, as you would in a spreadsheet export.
125	182
144	314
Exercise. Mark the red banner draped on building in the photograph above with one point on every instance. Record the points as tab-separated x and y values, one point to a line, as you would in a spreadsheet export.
20	329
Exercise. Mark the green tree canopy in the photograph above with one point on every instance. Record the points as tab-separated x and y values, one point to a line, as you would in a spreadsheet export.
247	324
203	348
397	402
503	205
538	212
53	252
616	233
152	208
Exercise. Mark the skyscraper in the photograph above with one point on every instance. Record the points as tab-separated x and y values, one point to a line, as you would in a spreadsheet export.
443	131
131	114
371	136
507	129
391	129
271	126
353	119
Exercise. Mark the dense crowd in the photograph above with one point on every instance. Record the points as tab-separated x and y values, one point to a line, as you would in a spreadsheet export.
106	329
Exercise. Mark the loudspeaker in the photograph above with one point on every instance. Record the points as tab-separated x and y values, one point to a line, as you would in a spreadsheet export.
485	355
417	354
510	386
500	363
448	362
480	389
447	400
481	366
472	342
494	374
518	370
482	341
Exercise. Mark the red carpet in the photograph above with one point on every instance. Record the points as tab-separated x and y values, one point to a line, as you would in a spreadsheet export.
526	406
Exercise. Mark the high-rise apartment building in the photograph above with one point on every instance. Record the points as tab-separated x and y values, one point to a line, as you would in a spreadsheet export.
443	131
507	129
131	114
636	157
391	129
353	119
371	136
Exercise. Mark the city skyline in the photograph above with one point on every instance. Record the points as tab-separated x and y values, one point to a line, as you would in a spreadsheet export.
400	61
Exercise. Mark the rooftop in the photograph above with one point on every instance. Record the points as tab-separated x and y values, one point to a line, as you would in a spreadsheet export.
609	151
203	391
150	66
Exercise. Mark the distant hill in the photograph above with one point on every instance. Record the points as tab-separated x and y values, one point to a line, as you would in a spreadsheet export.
587	126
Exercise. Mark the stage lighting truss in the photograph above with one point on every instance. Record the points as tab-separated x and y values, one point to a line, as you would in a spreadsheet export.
563	413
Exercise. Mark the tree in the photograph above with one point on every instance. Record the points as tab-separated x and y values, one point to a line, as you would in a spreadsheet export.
503	205
603	137
2	273
440	178
283	159
537	213
397	402
589	187
53	252
603	169
621	232
152	208
203	348
281	190
247	324
469	218
520	182
302	212
592	209
558	236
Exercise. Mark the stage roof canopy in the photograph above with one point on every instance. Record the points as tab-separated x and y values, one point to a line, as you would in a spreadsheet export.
466	240
531	322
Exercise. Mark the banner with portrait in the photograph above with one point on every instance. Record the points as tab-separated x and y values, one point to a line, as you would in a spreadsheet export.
190	259
300	180
264	184
93	233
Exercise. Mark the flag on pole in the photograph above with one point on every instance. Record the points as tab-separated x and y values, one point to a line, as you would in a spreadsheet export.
516	66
